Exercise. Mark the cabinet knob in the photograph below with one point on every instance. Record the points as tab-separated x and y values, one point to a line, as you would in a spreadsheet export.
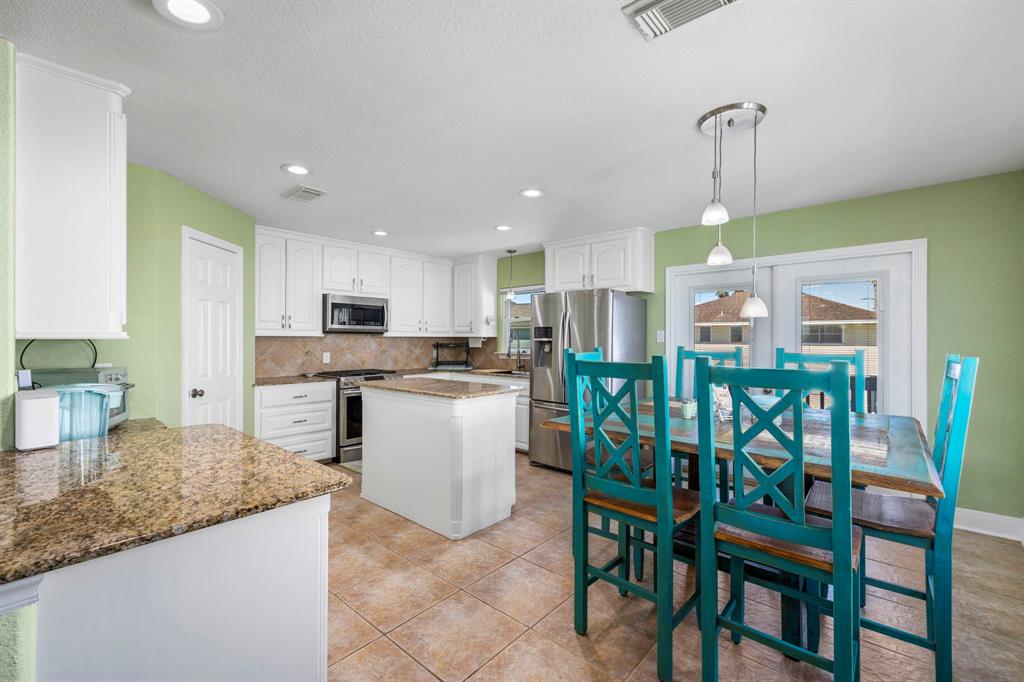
360	284
282	320
197	393
353	282
289	321
591	279
583	281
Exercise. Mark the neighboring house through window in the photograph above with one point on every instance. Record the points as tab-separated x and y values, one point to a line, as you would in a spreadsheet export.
704	334
515	330
823	333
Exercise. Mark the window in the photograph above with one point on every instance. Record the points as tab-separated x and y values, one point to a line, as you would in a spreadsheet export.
515	330
736	334
717	322
704	334
823	333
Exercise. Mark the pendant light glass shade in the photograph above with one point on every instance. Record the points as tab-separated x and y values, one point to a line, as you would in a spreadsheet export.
720	255
714	214
754	307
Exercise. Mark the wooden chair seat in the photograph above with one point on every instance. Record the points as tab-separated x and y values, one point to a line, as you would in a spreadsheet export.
685	504
808	556
890	513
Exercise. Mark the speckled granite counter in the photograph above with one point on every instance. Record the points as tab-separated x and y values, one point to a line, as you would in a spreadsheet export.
442	388
296	379
90	498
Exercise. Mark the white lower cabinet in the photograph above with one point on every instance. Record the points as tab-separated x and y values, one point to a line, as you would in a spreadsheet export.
298	417
523	421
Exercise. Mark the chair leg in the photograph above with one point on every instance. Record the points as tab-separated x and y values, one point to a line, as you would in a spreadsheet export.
638	554
624	533
929	596
813	587
580	553
859	581
663	594
736	583
943	580
863	572
843	612
708	608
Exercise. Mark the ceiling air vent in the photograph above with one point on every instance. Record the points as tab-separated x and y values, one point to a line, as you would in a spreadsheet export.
304	194
657	17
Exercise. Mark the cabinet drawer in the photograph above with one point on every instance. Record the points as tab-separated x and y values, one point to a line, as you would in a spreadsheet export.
313	446
296	394
287	421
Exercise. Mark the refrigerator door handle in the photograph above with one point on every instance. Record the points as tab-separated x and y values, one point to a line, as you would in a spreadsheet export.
565	344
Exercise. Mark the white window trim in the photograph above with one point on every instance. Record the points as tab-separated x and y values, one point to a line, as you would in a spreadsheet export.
503	340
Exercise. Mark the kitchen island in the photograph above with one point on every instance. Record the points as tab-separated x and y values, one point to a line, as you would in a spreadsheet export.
440	452
196	553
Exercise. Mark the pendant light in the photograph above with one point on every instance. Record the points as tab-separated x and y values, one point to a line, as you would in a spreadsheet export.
754	306
510	295
714	212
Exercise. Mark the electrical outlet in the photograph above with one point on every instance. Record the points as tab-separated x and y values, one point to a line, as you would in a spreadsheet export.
660	335
327	357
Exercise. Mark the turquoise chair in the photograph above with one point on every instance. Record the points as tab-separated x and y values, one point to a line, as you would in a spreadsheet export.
616	486
782	536
927	524
719	357
801	360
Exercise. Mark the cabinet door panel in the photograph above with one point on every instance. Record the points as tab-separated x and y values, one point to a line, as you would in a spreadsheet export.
523	423
303	299
464	297
374	272
270	283
571	266
437	297
610	261
340	269
406	300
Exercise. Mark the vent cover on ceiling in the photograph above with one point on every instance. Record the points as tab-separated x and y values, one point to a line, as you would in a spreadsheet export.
304	194
657	17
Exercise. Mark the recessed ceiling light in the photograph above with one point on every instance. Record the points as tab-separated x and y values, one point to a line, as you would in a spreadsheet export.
295	169
502	228
198	15
532	192
380	233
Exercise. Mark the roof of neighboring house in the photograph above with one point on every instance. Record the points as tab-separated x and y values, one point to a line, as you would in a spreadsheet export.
726	310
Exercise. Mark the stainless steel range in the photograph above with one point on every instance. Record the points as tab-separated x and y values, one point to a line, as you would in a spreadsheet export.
350	408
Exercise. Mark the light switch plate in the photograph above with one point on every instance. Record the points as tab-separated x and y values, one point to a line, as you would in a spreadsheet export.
660	335
327	357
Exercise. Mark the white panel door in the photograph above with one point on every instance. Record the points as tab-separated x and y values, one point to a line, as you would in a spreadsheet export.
463	296
406	302
340	269
374	272
303	296
270	283
571	266
213	327
610	262
437	297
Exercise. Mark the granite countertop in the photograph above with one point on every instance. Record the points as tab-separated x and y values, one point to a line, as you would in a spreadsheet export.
442	388
90	498
294	379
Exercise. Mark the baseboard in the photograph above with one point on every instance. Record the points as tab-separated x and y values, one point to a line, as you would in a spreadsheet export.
986	523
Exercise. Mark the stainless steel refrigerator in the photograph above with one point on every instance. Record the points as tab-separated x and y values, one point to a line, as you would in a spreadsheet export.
582	320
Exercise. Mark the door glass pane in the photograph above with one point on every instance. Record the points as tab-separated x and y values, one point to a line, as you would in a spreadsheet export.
842	317
717	322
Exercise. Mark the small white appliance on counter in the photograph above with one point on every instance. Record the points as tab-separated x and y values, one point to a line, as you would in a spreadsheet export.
36	419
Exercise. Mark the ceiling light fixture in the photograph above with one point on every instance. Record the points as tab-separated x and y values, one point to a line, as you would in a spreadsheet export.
714	212
510	295
502	228
532	192
380	233
197	15
295	169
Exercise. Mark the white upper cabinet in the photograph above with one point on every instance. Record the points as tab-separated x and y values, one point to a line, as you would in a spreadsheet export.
437	297
341	269
616	260
474	297
352	271
374	273
270	283
70	237
288	285
405	311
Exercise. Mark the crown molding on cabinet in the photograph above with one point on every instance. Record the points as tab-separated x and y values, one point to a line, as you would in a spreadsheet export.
119	89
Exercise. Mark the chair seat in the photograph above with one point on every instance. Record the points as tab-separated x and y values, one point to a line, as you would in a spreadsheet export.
801	554
890	513
685	504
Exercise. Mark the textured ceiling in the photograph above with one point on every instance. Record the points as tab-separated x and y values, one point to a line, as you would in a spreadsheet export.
426	118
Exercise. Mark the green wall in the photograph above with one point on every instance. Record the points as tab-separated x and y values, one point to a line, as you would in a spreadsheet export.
158	206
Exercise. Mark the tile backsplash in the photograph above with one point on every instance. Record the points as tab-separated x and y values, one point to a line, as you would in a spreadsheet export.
287	355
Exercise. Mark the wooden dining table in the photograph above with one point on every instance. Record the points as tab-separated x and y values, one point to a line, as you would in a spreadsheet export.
886	451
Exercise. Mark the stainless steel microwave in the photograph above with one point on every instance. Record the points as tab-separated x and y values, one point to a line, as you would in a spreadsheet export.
363	314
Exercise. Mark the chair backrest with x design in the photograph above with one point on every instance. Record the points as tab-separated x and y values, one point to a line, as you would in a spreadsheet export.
783	484
801	360
609	422
950	440
717	356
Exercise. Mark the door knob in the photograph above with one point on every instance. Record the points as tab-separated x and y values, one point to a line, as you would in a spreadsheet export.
197	393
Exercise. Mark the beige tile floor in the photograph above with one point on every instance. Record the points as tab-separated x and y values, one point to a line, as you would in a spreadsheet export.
408	604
